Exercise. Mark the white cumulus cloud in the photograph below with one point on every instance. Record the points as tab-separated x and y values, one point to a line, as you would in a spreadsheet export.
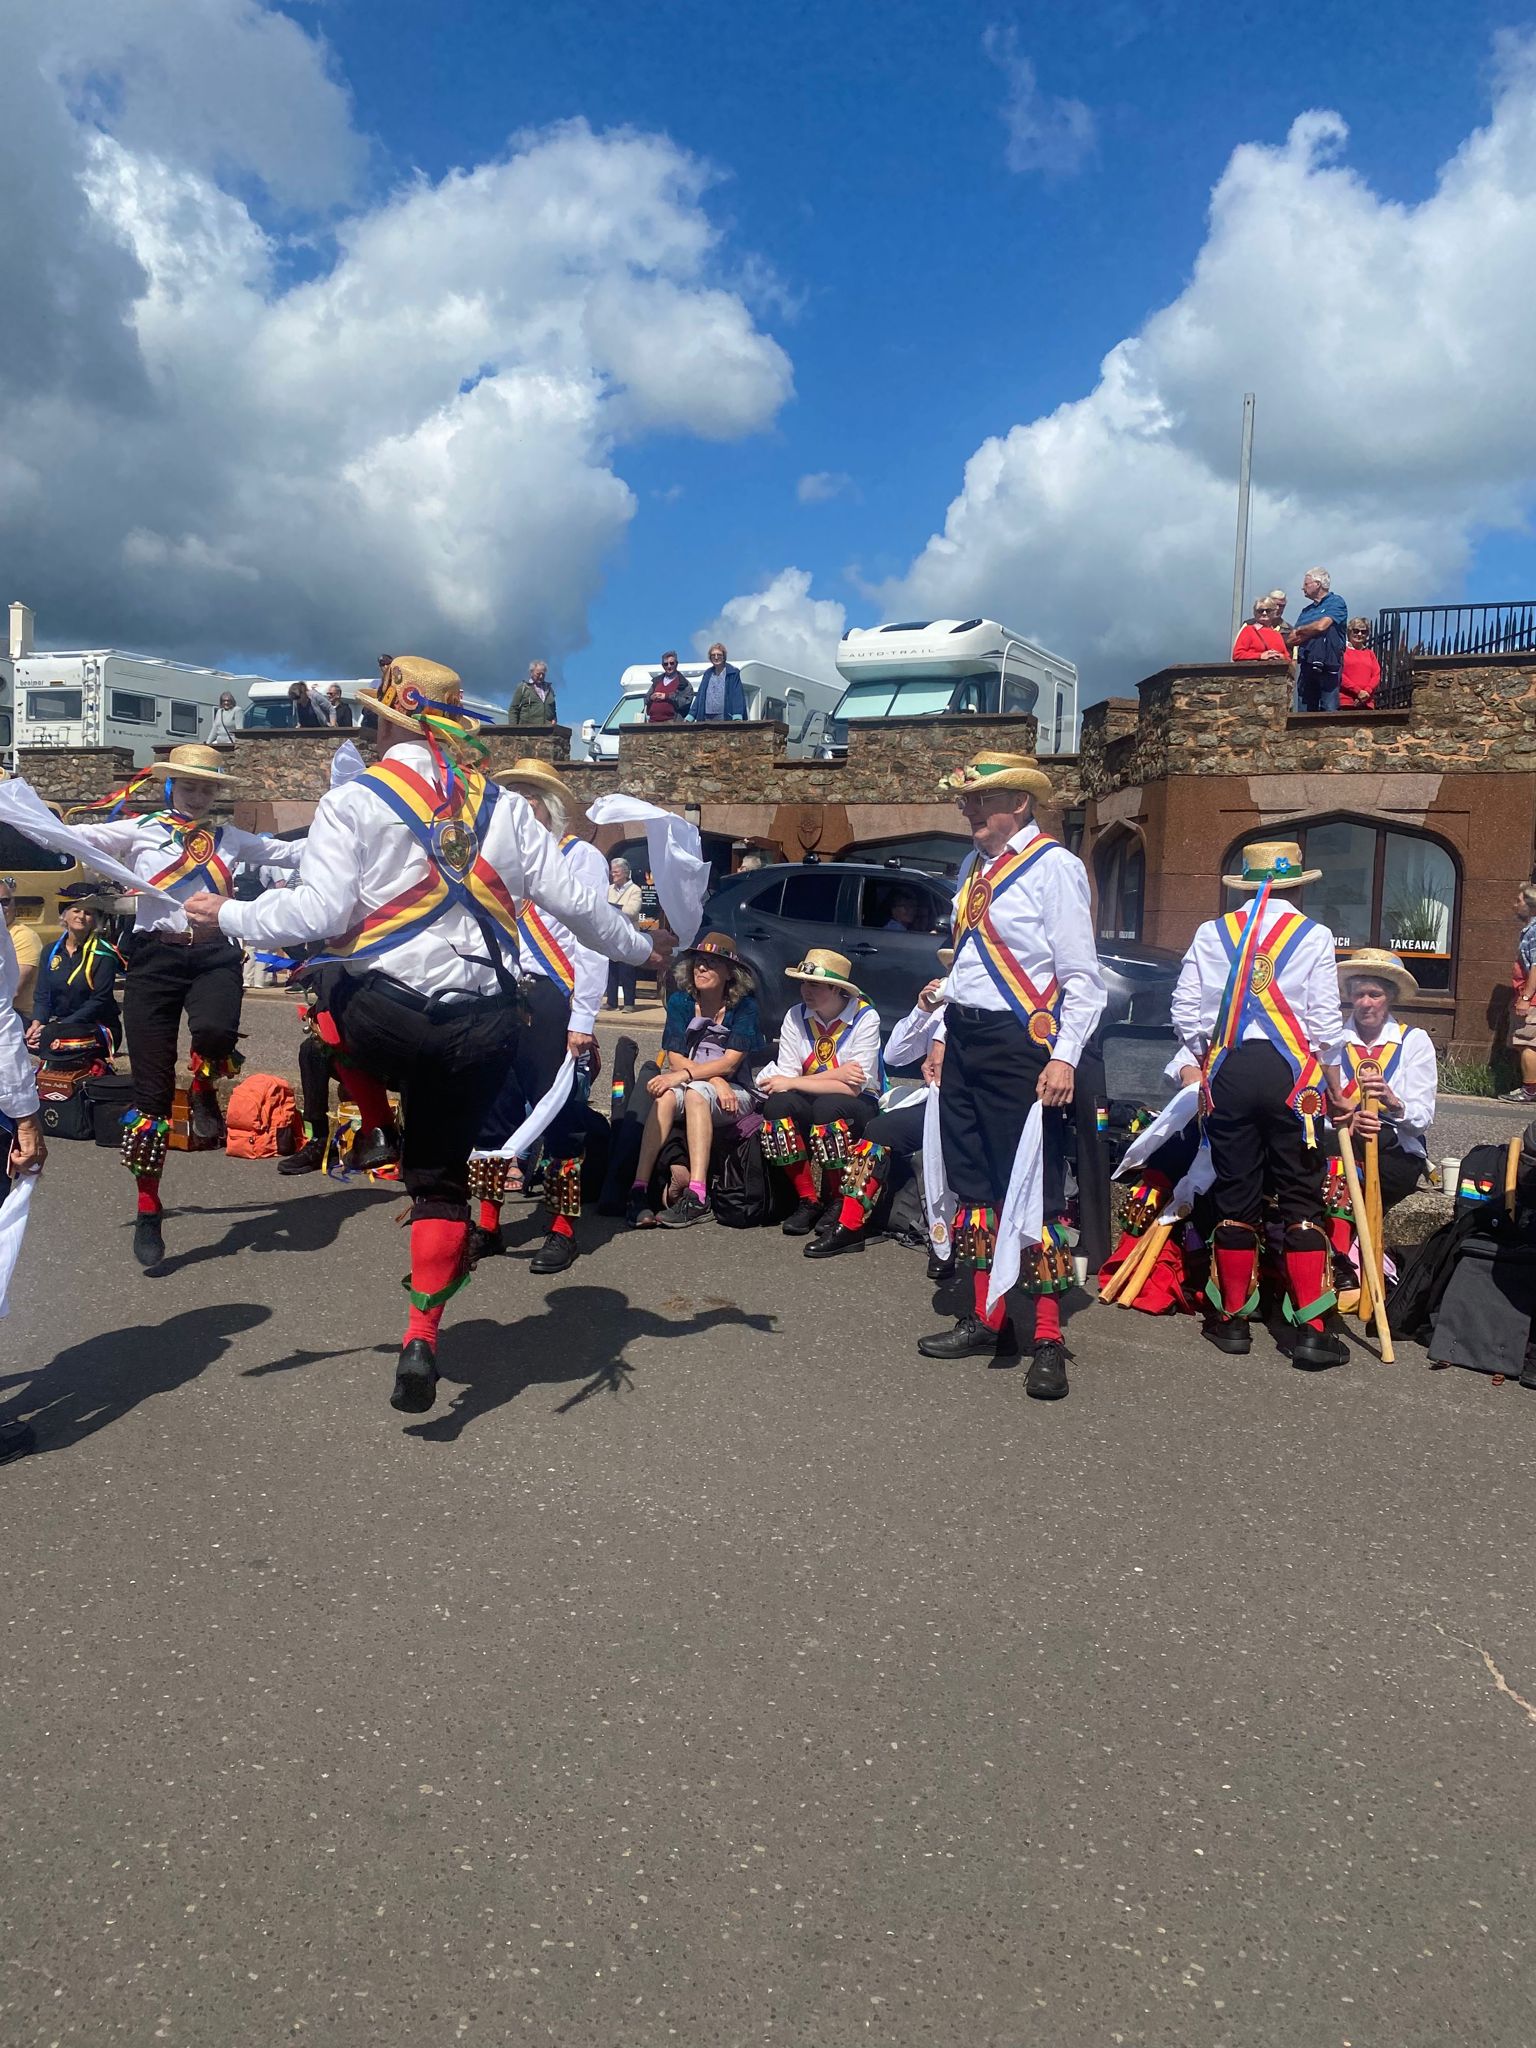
1045	132
246	410
781	623
820	486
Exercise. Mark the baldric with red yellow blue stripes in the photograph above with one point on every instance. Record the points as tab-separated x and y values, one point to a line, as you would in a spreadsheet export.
542	952
196	863
1038	1009
1257	953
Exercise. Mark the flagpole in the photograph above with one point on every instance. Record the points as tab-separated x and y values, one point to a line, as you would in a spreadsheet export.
1240	560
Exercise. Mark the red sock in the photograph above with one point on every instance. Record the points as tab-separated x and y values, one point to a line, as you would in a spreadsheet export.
1306	1273
561	1226
851	1214
371	1096
437	1257
1047	1319
1234	1276
802	1180
490	1215
149	1194
993	1318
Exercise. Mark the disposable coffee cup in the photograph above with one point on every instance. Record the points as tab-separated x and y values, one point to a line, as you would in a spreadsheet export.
1450	1175
1080	1269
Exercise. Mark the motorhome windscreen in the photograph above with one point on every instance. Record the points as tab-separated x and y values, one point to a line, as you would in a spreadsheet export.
628	711
51	706
265	714
913	697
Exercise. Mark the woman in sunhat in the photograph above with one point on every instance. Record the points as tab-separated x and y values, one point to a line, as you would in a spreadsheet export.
413	872
75	1021
564	983
1256	1010
712	1030
822	1088
174	969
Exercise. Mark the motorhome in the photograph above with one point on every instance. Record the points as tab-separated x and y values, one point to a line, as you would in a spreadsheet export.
99	698
267	707
923	668
806	707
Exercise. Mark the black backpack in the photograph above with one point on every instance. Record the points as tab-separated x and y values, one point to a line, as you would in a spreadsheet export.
744	1194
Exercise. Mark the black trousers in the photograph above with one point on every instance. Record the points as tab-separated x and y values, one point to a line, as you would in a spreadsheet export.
986	1091
804	1107
1259	1146
621	983
315	1086
898	1130
202	980
536	1059
447	1063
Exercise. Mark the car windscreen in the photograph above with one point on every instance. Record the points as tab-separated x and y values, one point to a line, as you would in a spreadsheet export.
268	714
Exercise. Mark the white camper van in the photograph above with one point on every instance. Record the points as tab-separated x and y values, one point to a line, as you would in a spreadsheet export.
806	707
924	668
100	698
267	707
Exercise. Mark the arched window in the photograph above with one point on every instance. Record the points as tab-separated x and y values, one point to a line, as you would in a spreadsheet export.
1381	886
1121	868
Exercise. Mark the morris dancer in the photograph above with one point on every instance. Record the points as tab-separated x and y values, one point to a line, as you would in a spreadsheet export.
1390	1075
821	1088
564	983
1024	999
1256	1010
173	969
415	871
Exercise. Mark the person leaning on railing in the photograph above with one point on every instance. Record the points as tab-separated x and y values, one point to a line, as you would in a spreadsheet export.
1260	638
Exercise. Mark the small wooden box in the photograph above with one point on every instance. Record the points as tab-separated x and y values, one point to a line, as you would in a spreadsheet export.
180	1138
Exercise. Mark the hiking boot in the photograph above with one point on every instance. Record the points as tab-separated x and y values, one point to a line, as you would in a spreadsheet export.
415	1378
1046	1379
553	1256
685	1210
970	1338
802	1219
148	1241
309	1158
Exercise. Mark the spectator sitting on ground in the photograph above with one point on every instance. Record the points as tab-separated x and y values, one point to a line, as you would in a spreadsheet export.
712	1028
75	1020
1318	638
719	693
624	895
670	694
221	731
306	712
1260	638
533	701
1360	675
1522	1037
27	947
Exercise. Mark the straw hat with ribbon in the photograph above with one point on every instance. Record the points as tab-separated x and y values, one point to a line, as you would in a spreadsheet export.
1276	861
533	777
823	965
998	771
191	762
422	696
1375	963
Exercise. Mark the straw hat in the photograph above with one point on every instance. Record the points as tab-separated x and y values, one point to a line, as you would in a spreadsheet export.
998	771
195	763
532	777
823	965
410	684
1276	861
1375	963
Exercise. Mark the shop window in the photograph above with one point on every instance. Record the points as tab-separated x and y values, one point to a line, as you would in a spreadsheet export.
1380	887
1121	863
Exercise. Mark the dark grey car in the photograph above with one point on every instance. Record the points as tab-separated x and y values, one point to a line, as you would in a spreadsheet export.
777	913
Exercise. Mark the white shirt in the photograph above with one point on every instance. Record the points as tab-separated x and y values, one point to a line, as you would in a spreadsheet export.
18	1081
799	1032
359	856
587	997
1046	921
1308	979
1415	1080
149	846
221	731
919	1030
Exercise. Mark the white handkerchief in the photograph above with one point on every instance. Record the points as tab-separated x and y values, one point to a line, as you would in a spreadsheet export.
676	854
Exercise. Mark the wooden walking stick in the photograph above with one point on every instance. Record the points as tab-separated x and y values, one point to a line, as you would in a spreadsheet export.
1117	1282
1148	1253
1373	1215
1367	1247
1511	1175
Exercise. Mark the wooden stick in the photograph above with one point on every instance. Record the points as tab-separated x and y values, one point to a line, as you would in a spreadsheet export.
1511	1175
1158	1236
1367	1246
1115	1284
1373	1213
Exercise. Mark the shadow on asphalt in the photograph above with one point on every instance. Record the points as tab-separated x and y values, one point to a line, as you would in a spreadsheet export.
581	1335
307	1223
98	1382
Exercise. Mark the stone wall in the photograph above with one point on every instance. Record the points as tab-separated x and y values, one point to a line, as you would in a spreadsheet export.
73	775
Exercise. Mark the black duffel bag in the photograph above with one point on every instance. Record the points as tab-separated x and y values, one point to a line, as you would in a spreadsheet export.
109	1098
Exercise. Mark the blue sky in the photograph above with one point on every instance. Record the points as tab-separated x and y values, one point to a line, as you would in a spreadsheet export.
934	275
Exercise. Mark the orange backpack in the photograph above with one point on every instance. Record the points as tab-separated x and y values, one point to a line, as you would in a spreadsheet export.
260	1107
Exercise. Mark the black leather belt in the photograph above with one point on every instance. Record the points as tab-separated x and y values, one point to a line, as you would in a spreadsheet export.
450	1005
973	1013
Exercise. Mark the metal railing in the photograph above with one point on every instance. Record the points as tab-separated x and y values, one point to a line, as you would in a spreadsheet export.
1414	631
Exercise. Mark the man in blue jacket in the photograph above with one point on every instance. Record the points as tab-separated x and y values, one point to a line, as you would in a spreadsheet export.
718	692
1318	638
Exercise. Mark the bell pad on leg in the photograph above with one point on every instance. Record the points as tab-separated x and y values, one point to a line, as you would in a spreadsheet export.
562	1187
144	1143
488	1177
782	1142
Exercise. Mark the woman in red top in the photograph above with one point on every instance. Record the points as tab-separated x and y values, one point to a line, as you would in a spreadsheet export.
1260	638
1361	672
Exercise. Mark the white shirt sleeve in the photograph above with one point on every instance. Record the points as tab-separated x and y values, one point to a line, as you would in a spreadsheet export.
1418	1080
1322	1020
793	1048
260	850
1074	957
326	901
115	838
863	1050
537	868
18	1081
913	1036
587	997
1192	1021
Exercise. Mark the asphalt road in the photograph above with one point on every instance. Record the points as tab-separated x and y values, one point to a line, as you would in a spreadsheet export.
709	1668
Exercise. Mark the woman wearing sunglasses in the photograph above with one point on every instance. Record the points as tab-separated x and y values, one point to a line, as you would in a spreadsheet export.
1260	638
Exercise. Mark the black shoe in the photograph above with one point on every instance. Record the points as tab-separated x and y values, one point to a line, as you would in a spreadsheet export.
376	1148
638	1213
939	1269
309	1158
685	1210
1046	1379
16	1439
484	1244
970	1338
1315	1350
205	1118
415	1378
554	1254
1230	1334
802	1219
827	1244
148	1241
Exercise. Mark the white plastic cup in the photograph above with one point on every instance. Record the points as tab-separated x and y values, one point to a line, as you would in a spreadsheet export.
1450	1176
1080	1269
